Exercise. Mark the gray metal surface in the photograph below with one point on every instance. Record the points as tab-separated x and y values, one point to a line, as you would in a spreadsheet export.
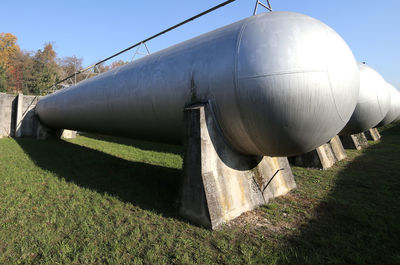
279	83
373	102
398	107
394	110
398	117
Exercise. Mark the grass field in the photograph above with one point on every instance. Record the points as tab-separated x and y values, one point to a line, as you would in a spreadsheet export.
97	199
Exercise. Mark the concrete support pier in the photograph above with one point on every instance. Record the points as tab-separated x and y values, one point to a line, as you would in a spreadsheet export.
219	183
373	134
322	157
337	148
354	141
18	119
42	132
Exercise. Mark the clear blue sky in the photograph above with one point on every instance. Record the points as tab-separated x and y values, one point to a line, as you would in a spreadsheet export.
96	29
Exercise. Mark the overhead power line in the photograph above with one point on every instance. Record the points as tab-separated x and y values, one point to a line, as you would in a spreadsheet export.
143	41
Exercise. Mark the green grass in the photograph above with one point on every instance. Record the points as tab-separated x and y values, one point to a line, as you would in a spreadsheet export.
98	199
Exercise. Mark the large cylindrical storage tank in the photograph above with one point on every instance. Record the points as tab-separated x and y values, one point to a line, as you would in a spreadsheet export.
394	110
373	102
279	83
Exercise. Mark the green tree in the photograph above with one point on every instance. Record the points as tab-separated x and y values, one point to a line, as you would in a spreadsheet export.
24	62
45	69
9	74
8	47
3	80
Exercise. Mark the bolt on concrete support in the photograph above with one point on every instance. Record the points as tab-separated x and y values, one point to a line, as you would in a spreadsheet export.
373	134
219	183
354	141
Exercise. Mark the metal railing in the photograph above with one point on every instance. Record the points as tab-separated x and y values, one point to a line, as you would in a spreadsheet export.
94	70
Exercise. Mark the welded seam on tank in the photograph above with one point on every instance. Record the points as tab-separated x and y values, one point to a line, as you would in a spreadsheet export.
331	89
216	123
236	82
301	72
333	98
235	74
281	73
379	104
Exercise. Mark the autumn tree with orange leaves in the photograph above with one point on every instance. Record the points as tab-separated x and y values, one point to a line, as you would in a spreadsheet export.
26	72
8	51
33	72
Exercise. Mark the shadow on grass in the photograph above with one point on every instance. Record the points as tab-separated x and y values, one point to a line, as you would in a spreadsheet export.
359	222
148	186
143	145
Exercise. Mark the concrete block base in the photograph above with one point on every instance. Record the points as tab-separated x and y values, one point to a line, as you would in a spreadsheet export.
68	134
219	183
322	157
41	132
8	109
337	148
354	141
19	114
373	134
18	119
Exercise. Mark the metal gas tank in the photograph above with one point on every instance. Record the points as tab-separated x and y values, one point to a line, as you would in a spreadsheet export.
279	83
373	102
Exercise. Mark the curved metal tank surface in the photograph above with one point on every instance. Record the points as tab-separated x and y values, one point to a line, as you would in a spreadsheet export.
394	110
279	84
398	117
373	102
398	106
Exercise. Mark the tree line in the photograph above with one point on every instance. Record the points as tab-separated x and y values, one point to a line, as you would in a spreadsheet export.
31	72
